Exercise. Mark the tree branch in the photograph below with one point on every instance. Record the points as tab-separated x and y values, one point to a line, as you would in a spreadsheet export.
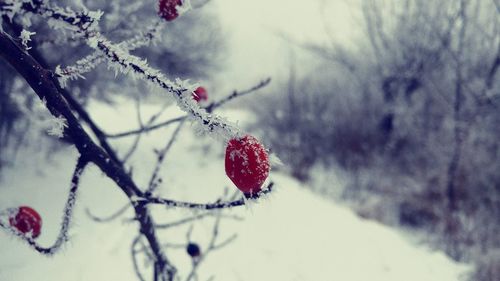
42	82
207	206
67	215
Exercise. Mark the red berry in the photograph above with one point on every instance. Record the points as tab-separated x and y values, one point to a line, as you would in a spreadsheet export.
168	9
247	164
200	94
27	220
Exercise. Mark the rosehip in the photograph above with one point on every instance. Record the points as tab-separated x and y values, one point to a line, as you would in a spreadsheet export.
200	94
247	164
27	220
193	250
168	9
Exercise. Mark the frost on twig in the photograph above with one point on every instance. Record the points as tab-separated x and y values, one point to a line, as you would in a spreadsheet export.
122	61
207	206
83	26
210	108
57	126
40	117
184	8
25	38
66	220
89	62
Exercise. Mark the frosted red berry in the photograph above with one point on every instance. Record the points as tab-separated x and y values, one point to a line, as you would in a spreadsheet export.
168	9
247	164
26	220
200	94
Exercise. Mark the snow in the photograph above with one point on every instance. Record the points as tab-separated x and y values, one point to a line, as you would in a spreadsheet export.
291	235
25	38
57	126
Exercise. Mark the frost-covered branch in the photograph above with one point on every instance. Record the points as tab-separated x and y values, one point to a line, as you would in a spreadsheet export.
122	61
66	220
210	108
207	206
91	61
44	84
181	90
79	21
64	106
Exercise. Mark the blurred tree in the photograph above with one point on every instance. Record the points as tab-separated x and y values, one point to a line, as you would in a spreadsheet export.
412	113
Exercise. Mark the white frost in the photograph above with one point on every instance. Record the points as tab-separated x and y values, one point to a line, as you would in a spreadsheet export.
57	126
25	38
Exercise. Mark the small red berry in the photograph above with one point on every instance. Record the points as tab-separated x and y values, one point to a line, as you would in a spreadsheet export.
200	94
168	9
247	164
193	250
27	220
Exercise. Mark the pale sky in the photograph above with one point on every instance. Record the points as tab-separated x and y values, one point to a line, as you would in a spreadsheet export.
253	27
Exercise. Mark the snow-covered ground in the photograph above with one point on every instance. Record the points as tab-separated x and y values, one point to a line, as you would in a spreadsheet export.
292	235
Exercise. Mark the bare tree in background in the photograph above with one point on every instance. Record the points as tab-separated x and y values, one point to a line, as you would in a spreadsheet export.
75	27
412	114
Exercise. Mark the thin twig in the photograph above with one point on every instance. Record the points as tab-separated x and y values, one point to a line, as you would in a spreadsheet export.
193	218
109	218
212	246
153	181
210	108
207	206
67	216
134	259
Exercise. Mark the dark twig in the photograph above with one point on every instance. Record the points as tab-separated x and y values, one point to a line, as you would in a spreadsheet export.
42	82
212	246
146	129
208	206
134	259
109	218
193	218
153	181
237	94
67	215
210	108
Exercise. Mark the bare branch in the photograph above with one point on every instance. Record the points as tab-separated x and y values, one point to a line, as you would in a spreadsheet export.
193	218
236	94
66	220
153	181
208	206
42	82
134	259
210	108
89	62
147	129
212	246
109	218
